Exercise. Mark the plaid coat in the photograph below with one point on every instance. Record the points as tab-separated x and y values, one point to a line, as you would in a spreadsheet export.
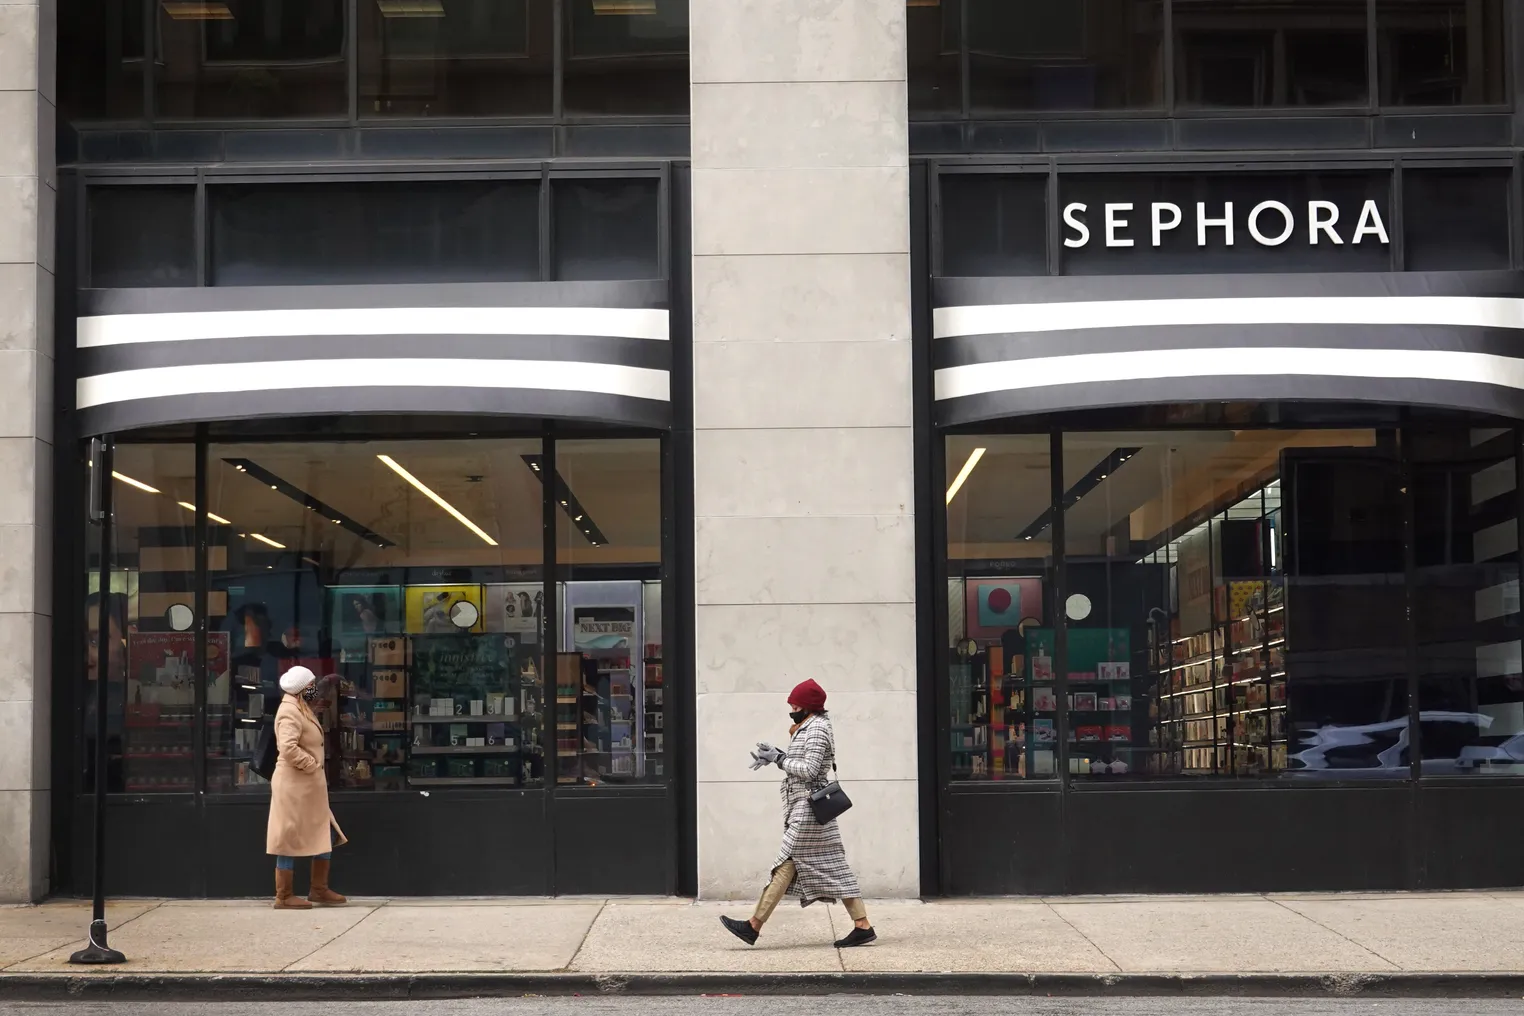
816	850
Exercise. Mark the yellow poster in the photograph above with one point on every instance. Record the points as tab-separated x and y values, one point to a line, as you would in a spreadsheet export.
443	610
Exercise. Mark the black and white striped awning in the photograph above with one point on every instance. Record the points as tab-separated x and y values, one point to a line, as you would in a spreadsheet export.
1014	346
589	351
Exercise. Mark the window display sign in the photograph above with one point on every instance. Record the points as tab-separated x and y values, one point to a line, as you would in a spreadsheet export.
996	605
515	608
365	610
429	609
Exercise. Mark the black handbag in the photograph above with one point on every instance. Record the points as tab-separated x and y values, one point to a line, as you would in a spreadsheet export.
265	751
829	802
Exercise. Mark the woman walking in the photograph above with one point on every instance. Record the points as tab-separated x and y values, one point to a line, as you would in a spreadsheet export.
301	824
812	863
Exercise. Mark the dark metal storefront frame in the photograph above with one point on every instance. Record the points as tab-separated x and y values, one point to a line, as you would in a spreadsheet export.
1170	834
536	841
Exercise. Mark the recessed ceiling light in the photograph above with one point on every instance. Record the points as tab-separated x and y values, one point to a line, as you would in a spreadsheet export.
129	481
624	6
411	8
265	539
188	10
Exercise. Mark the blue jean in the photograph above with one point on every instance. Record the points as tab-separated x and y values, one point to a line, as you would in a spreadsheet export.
289	863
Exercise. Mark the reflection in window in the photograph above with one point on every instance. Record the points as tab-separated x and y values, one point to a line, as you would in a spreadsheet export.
1455	219
100	76
605	229
251	59
423	623
994	225
148	661
1002	695
1248	53
1441	52
933	37
626	57
610	693
456	58
142	236
317	234
1065	54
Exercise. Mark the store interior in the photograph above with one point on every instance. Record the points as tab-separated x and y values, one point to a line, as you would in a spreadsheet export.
410	577
1237	603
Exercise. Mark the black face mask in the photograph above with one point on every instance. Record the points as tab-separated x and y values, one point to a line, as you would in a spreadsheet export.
310	692
798	716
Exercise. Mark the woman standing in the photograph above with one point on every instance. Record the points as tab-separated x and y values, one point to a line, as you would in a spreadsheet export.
812	863
301	824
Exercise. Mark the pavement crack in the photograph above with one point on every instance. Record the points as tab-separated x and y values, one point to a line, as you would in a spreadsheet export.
1093	944
1335	931
572	962
323	945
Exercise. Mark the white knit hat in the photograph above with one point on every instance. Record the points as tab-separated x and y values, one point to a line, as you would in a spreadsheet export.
295	679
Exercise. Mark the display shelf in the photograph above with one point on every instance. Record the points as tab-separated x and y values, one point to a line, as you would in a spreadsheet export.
465	749
462	781
479	718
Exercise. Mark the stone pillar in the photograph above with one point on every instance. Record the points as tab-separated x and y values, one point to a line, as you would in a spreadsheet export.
27	201
804	530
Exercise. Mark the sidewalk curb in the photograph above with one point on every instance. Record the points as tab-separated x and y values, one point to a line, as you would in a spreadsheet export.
381	987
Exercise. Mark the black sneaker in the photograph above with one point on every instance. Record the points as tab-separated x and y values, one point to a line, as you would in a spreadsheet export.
858	936
740	929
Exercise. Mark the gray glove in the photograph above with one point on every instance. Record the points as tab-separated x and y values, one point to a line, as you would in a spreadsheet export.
766	754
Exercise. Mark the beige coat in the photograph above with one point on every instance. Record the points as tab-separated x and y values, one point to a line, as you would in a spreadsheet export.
300	819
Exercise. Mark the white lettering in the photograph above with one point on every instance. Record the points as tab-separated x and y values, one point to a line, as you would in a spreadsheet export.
1203	223
1077	225
1317	224
1114	223
1285	217
1370	222
1160	225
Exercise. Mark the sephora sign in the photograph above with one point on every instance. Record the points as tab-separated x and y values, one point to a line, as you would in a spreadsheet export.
1267	223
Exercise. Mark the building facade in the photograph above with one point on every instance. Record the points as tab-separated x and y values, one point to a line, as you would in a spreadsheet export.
1114	404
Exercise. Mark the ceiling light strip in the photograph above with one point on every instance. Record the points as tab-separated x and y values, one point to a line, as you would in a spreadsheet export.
569	503
129	481
968	467
265	539
423	488
211	515
253	469
1084	485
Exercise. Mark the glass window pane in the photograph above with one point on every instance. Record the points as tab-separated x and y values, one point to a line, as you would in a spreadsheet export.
149	652
423	627
1065	54
626	57
142	236
1456	219
606	229
1225	222
251	59
933	36
610	695
456	58
1441	52
994	225
101	74
330	234
1001	691
1471	682
1249	53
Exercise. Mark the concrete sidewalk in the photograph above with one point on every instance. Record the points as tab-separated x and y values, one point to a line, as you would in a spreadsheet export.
1276	943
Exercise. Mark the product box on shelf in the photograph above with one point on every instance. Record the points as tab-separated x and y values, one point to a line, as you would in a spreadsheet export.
1044	700
1088	732
389	684
1115	733
1084	701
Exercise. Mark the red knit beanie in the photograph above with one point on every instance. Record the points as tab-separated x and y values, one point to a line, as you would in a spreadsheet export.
808	695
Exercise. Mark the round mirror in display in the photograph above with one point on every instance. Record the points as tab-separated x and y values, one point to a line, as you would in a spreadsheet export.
464	614
179	617
1077	607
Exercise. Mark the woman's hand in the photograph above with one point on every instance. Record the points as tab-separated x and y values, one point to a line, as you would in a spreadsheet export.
767	755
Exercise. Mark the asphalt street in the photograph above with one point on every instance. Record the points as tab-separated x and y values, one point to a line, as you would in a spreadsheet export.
830	1005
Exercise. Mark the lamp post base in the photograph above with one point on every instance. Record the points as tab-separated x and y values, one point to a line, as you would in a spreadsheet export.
97	951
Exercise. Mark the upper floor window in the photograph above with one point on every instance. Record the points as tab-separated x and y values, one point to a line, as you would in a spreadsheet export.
988	59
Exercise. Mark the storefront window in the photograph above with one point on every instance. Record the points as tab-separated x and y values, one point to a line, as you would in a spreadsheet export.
1068	55
1441	52
1247	53
101	74
456	58
331	234
610	693
1002	690
408	576
251	59
933	42
605	229
148	648
1455	219
626	57
142	236
994	225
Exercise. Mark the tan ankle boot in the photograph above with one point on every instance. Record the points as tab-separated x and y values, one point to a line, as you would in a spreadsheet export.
321	894
284	898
